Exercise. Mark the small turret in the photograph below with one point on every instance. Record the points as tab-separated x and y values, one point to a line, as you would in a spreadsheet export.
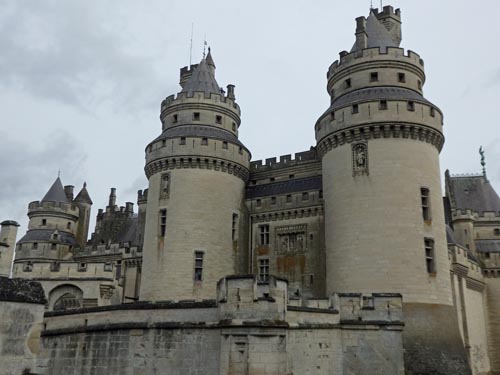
84	203
68	190
8	233
112	198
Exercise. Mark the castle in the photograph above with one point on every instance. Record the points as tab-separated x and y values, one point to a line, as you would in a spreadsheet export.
344	259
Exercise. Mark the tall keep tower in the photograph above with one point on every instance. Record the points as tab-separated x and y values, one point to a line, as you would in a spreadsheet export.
197	169
379	142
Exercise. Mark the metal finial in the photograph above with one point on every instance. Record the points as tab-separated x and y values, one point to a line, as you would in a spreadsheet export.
371	4
483	160
58	173
205	46
191	45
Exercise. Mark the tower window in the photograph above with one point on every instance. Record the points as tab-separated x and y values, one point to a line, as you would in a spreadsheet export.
234	126
234	229
224	145
218	119
163	222
53	246
429	255
487	255
198	265
373	77
68	226
401	77
240	150
35	245
196	116
27	267
289	198
264	234
347	83
55	266
273	200
204	141
305	196
174	119
411	106
433	112
355	108
382	105
426	207
290	176
264	270
182	141
258	202
497	231
44	221
332	115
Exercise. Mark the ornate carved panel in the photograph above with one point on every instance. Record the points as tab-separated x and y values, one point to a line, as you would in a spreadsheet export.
165	186
291	239
360	159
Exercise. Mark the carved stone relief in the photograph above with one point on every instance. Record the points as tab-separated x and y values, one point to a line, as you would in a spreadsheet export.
291	239
165	186
360	159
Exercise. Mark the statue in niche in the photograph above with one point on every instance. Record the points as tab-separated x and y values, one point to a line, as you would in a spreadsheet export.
165	186
284	243
360	158
300	242
293	242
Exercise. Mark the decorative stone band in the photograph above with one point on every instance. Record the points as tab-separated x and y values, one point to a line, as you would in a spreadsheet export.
476	285
210	163
373	131
133	262
286	215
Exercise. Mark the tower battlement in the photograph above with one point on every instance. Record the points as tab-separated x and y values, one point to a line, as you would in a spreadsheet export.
186	97
372	307
284	161
52	207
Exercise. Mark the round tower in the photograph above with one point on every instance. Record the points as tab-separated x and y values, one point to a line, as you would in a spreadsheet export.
384	220
197	169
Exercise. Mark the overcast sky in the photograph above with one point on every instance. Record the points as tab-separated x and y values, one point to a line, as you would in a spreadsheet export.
81	81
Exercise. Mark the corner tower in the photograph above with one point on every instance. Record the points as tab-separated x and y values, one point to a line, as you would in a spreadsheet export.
197	170
384	222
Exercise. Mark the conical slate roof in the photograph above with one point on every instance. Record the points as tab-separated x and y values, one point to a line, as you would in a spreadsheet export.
56	193
474	193
83	196
202	79
378	35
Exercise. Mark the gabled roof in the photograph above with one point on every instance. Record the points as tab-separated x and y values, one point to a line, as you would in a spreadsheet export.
83	195
378	35
202	79
56	193
473	193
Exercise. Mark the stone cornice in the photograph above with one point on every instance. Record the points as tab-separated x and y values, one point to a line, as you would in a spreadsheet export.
210	163
364	132
287	214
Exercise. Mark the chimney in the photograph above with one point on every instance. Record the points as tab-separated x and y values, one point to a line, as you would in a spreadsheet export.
68	190
129	207
112	198
230	92
361	35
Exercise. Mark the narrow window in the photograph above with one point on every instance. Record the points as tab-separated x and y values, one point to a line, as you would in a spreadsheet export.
163	222
271	179
35	245
240	150
68	226
82	267
163	142
198	265
401	77
204	141
234	126
289	198
254	182
264	234
382	105
433	112
426	207
332	115
321	193
273	200
419	85
305	196
53	246
55	266
411	106
290	176
497	232
196	116
311	279
182	141
224	145
118	273
347	83
258	202
44	221
373	77
150	148
429	255
264	270
218	119
234	229
487	255
355	108
174	119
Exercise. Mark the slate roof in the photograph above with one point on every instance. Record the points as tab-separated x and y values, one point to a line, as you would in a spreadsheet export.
56	193
128	231
83	195
450	236
21	290
378	35
377	93
285	187
488	246
46	235
202	79
474	193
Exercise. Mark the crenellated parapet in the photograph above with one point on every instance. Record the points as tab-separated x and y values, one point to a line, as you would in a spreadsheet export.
284	161
37	208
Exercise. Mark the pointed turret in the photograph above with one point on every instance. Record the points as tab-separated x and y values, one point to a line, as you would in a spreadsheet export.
210	61
203	79
83	196
56	193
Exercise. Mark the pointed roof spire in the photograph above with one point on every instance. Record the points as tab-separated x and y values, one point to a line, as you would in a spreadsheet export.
83	196
210	60
203	78
56	193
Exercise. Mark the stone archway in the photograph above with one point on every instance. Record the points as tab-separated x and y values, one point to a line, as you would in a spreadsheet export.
65	297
